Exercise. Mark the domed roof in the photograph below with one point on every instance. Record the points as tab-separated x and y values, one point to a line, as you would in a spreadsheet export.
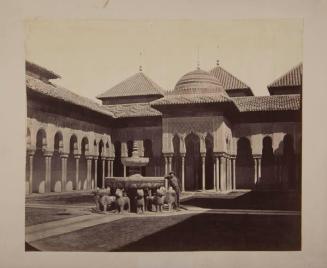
198	81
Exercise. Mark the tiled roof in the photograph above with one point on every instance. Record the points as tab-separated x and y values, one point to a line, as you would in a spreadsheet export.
228	80
34	68
291	78
63	94
132	110
268	103
137	85
191	98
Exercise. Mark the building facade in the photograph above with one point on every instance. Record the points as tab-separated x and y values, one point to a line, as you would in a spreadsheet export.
211	130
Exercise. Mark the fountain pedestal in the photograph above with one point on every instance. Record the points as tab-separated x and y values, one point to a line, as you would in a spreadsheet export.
135	180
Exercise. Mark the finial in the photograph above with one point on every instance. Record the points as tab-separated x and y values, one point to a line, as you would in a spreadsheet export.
217	62
141	60
198	60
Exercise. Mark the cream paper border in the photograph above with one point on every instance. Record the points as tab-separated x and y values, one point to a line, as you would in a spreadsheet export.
13	115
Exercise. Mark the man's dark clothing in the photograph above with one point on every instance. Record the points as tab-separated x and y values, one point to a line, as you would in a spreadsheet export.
174	183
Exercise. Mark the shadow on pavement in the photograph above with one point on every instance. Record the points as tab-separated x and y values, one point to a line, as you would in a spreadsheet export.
251	200
208	232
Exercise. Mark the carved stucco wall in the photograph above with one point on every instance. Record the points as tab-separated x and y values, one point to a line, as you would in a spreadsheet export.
256	132
216	126
225	134
53	123
224	137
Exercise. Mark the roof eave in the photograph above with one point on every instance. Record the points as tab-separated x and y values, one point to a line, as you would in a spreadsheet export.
70	103
101	97
45	72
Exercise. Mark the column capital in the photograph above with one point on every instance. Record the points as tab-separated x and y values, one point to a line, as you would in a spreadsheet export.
30	152
168	154
233	156
203	155
220	154
182	155
64	155
257	156
48	153
89	157
77	156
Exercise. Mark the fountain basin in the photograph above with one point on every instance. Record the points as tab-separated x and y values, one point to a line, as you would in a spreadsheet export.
135	181
135	161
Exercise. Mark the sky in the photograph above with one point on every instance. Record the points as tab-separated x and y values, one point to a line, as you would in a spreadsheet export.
91	56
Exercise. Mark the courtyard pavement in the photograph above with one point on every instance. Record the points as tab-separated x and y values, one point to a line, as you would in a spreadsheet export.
59	221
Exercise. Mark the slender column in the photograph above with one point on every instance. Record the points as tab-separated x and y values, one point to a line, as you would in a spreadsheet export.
108	167
183	172
63	171
103	171
214	175
30	178
217	173
111	168
203	157
77	157
229	173
108	170
166	170
125	173
88	172
255	171
222	162
124	153
259	168
95	172
48	156
166	165
169	163
234	172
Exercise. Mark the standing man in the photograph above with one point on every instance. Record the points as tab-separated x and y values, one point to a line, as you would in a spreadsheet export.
174	183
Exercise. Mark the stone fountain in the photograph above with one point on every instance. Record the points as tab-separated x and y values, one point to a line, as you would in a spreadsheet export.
135	180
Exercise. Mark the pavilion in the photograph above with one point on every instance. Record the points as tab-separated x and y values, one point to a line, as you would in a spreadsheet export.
210	129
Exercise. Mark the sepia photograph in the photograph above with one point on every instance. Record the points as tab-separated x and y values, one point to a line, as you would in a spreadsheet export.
163	135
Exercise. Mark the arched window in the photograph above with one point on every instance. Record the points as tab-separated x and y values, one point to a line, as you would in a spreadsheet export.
71	182
39	163
56	163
